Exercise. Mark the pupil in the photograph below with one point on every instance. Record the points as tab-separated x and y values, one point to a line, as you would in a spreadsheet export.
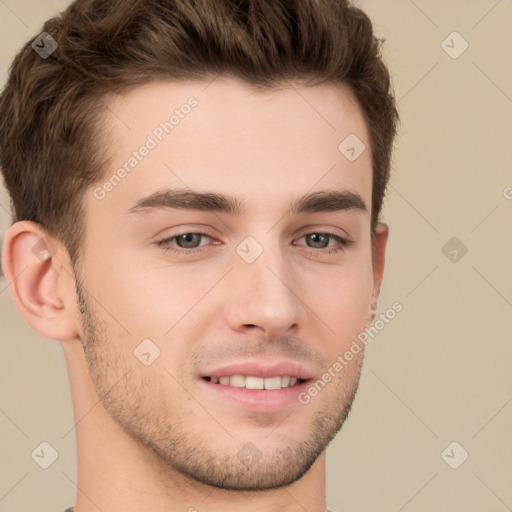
315	239
188	239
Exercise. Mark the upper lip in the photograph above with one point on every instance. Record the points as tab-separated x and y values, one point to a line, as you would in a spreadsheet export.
261	369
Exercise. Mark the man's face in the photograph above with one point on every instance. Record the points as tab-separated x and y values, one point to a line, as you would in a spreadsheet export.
269	291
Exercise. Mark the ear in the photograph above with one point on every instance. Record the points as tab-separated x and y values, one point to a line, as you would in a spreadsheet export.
41	281
379	242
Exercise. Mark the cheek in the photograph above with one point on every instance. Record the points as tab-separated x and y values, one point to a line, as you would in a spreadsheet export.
157	299
345	299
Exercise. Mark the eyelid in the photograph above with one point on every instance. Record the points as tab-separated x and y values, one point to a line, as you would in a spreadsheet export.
168	239
324	228
165	243
326	233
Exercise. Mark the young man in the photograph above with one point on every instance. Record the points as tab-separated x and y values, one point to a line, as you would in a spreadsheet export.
196	189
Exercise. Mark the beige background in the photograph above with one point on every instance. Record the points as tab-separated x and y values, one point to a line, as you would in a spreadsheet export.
441	370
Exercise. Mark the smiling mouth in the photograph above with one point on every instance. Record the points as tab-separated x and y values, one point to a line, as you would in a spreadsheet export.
252	382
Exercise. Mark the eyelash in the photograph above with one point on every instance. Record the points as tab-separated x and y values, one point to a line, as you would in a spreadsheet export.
343	243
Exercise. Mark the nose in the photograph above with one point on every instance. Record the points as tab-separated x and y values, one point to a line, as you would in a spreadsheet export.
265	295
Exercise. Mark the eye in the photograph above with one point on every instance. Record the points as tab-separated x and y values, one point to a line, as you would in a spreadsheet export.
188	243
321	240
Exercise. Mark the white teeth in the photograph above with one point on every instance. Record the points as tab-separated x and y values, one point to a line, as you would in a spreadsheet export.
251	382
254	382
238	381
273	383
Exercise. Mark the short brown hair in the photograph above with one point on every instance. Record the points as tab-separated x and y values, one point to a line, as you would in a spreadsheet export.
50	109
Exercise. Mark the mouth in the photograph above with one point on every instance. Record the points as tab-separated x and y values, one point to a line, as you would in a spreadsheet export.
257	386
254	382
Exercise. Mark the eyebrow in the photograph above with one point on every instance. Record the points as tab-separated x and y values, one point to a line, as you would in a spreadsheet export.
322	201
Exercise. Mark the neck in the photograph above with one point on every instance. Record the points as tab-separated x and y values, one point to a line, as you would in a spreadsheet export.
119	474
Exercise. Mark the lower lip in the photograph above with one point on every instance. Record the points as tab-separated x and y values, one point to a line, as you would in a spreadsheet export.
259	400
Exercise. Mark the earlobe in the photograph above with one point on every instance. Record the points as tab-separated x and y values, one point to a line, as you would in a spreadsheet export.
379	255
41	286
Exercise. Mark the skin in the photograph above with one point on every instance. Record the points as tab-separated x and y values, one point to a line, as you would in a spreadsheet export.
155	437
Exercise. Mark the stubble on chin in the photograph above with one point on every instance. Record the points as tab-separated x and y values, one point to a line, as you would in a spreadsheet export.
129	398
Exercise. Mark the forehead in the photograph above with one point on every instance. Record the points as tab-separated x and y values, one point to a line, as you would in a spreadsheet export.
226	136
